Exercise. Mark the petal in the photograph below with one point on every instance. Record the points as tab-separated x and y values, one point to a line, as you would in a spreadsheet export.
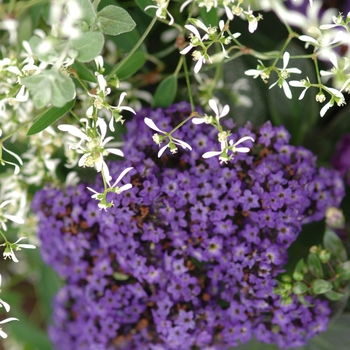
242	149
286	89
213	105
27	246
103	127
211	154
161	151
325	109
286	56
125	187
149	122
121	98
198	121
225	111
302	94
186	49
5	305
194	30
115	151
111	124
123	173
14	218
182	143
73	130
13	155
198	65
244	138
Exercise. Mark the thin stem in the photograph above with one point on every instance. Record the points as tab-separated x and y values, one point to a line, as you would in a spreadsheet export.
188	83
133	50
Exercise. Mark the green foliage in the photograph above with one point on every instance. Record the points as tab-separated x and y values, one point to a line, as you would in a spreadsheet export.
48	118
87	46
50	86
321	286
88	14
83	72
332	242
314	265
132	65
142	4
114	20
166	92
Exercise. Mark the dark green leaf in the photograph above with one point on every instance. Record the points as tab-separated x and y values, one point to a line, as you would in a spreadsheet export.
49	118
132	65
321	286
88	14
314	265
88	45
343	270
166	92
334	296
209	17
114	20
332	242
300	288
83	72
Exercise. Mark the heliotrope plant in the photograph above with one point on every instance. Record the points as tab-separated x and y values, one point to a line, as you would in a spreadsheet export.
91	63
189	256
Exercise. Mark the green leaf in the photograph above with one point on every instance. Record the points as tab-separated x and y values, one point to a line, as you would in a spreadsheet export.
49	118
298	116
332	242
88	45
209	18
88	14
321	286
83	72
334	296
314	265
298	273
166	92
44	49
132	65
343	270
300	288
114	20
50	87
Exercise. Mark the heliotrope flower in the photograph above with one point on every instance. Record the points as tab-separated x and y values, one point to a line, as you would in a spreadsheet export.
188	257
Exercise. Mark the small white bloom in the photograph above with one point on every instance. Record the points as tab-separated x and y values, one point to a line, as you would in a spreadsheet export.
117	110
2	333
284	74
302	83
172	140
4	217
9	247
162	10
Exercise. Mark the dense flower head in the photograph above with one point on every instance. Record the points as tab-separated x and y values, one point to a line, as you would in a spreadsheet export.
188	257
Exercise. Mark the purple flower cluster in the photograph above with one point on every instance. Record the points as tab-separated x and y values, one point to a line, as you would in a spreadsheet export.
188	257
341	157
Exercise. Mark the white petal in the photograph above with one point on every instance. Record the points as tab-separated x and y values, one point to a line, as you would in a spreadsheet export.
242	149
186	50
244	138
27	246
198	121
198	65
302	94
5	305
182	143
115	151
13	155
308	39
149	122
211	154
13	218
111	124
103	127
286	56
73	130
296	83
161	151
125	187
214	106
286	89
194	30
9	320
123	173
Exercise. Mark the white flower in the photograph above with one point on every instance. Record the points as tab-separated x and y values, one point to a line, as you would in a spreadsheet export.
261	71
303	83
117	110
4	217
95	147
172	140
218	115
101	197
224	157
284	74
3	162
162	10
9	247
2	333
337	97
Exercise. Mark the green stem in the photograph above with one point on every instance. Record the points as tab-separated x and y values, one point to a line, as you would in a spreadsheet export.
188	86
5	239
133	50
